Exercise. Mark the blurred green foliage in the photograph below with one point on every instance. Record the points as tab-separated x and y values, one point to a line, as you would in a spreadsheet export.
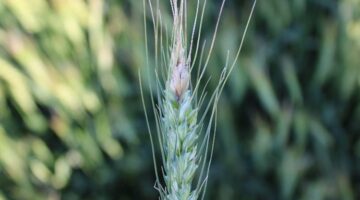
71	121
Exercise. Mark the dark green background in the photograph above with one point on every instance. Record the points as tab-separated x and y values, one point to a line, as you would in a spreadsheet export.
72	124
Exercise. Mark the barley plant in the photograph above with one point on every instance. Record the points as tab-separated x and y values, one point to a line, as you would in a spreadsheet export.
185	114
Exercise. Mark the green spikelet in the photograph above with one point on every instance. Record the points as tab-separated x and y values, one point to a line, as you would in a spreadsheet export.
180	145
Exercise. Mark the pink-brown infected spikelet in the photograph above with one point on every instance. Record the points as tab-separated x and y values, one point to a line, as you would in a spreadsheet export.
180	77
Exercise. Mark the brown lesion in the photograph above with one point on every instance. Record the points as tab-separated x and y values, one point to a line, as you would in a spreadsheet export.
178	62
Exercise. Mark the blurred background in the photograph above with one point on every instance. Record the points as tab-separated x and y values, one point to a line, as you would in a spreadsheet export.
72	125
